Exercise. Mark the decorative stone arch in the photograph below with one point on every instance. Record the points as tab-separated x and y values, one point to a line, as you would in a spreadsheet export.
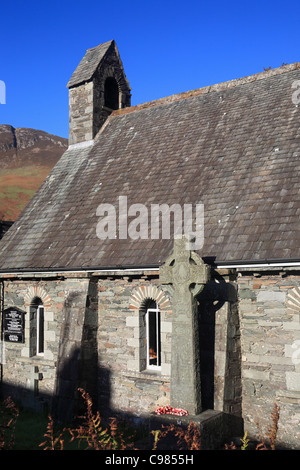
37	296
37	292
112	68
143	293
293	300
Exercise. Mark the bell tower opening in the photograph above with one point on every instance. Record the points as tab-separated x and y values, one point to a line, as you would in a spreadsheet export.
111	93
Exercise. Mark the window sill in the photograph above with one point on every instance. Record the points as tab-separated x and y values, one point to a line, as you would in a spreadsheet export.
151	371
147	375
36	360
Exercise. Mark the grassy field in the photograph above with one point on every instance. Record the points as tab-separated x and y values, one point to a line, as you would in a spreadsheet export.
17	186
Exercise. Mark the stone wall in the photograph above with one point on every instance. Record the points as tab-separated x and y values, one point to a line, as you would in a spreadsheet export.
94	329
34	380
92	340
81	113
124	384
270	331
95	338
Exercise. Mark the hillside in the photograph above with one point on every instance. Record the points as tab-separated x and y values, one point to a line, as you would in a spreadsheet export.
26	158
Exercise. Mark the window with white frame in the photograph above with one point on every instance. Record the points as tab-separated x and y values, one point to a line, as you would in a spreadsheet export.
153	341
37	327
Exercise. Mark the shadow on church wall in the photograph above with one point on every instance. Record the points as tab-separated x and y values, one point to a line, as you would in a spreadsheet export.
67	403
77	364
219	344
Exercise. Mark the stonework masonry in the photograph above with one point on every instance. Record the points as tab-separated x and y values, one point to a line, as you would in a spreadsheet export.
127	385
249	340
270	335
91	330
64	310
107	317
81	113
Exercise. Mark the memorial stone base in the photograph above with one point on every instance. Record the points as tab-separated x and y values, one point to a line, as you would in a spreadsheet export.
216	429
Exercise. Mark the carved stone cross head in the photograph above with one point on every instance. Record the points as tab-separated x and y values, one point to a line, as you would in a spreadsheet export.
184	268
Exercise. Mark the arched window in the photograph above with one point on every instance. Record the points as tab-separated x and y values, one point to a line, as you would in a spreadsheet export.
36	327
111	93
152	337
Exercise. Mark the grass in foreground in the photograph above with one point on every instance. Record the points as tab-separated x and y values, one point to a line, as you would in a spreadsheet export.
27	430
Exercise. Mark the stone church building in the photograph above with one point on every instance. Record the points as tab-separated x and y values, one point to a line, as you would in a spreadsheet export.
159	263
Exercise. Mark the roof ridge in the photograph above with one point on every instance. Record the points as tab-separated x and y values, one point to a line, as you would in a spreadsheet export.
103	44
210	88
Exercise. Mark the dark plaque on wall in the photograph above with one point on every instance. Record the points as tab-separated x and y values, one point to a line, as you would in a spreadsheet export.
14	325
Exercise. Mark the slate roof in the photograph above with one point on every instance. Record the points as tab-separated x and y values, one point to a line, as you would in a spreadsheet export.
234	147
89	63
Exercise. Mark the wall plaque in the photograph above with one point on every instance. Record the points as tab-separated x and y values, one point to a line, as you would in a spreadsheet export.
14	325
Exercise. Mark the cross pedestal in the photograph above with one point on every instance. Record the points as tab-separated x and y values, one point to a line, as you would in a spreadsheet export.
188	274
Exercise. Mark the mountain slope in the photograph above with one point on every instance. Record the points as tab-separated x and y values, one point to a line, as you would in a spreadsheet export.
26	158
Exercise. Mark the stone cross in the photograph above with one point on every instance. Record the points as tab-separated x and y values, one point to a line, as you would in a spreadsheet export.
35	376
188	274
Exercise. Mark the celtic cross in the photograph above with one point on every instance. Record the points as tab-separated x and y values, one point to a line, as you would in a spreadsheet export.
188	274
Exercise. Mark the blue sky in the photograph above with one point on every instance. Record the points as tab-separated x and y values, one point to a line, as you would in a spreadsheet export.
166	47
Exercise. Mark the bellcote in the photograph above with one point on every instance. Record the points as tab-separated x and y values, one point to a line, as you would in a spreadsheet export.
96	88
